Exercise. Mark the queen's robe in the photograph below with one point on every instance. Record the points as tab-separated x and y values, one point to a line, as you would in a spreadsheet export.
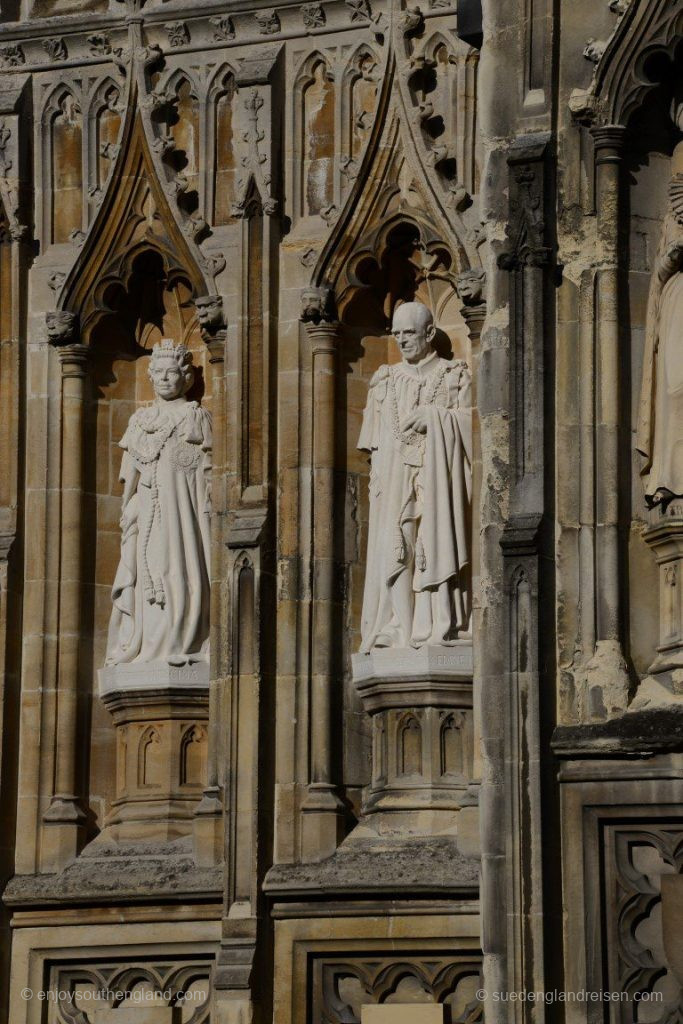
418	554
162	585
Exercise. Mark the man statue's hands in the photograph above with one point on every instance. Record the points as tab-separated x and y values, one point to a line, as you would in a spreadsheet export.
416	420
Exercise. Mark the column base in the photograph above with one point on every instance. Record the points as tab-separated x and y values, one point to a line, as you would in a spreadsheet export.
63	833
322	825
607	682
208	831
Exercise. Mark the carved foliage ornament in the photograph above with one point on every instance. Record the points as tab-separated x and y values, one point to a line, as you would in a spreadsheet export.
254	161
527	228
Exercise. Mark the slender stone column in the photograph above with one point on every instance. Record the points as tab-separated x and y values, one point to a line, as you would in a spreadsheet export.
607	676
322	808
208	827
64	818
474	315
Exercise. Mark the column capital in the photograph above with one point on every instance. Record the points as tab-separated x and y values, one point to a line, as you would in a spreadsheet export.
74	360
610	141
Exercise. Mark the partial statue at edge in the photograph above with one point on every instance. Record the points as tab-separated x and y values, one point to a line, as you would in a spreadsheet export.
161	590
417	427
660	420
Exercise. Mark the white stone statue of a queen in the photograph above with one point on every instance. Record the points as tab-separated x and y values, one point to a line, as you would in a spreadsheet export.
417	427
161	590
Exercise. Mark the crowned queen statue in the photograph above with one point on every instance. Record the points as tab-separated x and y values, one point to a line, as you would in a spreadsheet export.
417	429
161	589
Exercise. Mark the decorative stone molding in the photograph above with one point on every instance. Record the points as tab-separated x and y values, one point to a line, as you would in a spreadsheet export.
223	28
313	15
12	56
178	33
55	48
268	21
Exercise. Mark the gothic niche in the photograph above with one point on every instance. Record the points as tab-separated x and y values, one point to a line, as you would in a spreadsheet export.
184	130
362	82
224	168
404	264
66	138
105	125
317	90
149	300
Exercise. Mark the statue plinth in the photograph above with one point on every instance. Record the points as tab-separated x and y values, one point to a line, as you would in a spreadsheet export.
146	678
420	702
161	715
664	682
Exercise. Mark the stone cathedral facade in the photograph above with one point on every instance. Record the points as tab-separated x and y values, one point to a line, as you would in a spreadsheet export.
341	511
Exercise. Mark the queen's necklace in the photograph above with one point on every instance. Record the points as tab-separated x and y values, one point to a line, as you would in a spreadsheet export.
414	437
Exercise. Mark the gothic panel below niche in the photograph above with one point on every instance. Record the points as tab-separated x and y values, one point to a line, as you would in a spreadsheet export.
642	898
176	990
342	985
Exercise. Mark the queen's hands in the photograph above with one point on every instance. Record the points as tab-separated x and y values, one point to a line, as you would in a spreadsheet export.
416	420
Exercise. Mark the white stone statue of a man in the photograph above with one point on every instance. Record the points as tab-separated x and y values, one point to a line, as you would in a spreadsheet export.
417	427
161	590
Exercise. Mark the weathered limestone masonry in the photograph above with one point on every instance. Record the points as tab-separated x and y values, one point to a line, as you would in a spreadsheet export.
341	511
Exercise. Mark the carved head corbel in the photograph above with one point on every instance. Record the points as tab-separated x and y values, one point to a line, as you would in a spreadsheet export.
317	304
211	317
471	287
62	327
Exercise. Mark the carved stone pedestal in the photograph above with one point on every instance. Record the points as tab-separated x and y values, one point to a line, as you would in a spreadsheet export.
664	682
422	738
161	715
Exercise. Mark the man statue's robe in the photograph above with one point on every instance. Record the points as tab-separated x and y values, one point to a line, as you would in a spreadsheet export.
417	587
660	422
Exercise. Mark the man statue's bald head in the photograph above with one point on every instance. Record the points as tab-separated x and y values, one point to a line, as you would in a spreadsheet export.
413	328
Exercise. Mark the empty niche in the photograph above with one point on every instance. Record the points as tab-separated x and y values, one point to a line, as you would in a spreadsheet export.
193	756
318	139
149	762
451	744
106	116
409	746
67	168
185	133
362	102
224	160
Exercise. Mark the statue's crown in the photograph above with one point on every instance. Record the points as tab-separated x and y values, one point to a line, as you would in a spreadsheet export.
167	347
